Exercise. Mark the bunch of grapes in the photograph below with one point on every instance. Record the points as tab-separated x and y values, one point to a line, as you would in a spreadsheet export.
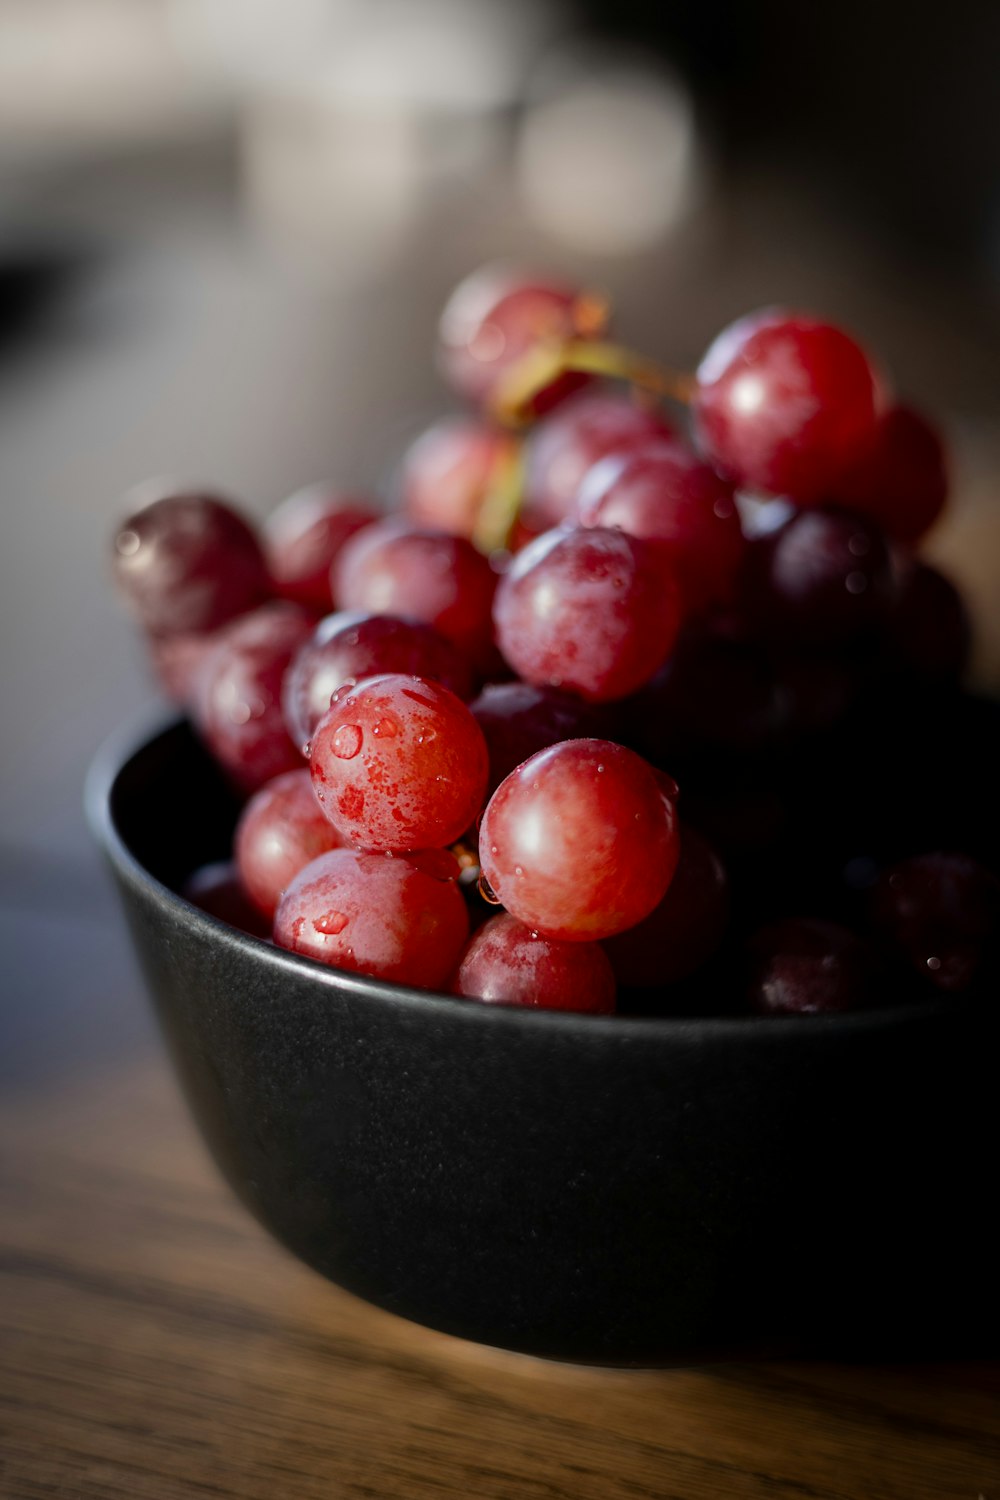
545	734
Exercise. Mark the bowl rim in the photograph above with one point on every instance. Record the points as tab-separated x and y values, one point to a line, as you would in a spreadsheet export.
131	739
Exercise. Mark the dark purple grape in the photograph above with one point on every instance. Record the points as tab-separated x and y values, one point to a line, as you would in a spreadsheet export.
823	578
685	929
807	967
713	695
941	913
518	720
187	563
929	630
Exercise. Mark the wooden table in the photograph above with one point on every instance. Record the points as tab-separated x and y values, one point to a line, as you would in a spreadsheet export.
156	1345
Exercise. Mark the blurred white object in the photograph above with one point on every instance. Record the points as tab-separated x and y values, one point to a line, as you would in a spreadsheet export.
323	178
83	75
245	43
609	161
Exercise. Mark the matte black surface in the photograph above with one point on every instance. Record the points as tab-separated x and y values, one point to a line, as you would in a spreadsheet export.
618	1190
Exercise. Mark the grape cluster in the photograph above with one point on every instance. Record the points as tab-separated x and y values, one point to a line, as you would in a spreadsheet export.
582	673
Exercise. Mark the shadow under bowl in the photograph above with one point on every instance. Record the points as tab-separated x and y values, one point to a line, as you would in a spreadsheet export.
620	1190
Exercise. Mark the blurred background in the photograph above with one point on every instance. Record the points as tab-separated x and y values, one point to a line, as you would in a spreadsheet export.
227	228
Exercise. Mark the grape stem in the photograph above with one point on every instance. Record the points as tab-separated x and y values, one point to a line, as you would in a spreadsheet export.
502	504
545	362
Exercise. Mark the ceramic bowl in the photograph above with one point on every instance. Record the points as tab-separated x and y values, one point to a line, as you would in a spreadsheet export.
624	1190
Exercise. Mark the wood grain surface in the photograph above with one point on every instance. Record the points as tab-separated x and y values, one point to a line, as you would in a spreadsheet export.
155	1343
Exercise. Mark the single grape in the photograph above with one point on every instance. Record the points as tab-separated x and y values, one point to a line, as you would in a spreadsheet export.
713	694
237	699
817	689
901	479
493	319
579	842
929	630
808	967
281	829
346	647
661	493
398	568
450	470
590	610
376	914
784	403
518	720
563	448
303	537
684	929
177	661
216	889
399	763
505	964
187	563
941	913
824	577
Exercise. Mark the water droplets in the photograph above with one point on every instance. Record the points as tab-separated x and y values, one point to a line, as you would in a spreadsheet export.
127	543
856	582
347	741
387	727
330	924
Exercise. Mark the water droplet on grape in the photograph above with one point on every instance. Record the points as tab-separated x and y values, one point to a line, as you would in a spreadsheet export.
127	543
307	750
347	741
934	964
387	727
330	923
855	583
859	545
487	892
240	713
518	870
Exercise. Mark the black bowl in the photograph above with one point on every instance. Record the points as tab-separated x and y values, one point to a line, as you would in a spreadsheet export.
616	1190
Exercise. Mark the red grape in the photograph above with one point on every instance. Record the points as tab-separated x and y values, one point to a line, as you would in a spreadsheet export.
188	563
505	964
568	443
376	914
941	912
901	480
346	647
398	568
177	660
579	842
492	319
399	763
449	472
518	720
784	403
304	535
281	829
684	929
660	492
593	611
808	967
237	700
